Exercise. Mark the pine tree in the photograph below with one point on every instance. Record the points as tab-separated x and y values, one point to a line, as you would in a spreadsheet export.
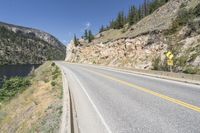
102	29
143	11
113	24
155	4
120	21
76	43
86	34
133	16
148	7
90	36
140	13
145	7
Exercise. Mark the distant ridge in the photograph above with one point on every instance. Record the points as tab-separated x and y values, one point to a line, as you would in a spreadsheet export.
38	45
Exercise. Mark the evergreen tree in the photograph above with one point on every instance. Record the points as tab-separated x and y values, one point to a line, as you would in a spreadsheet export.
119	22
90	36
133	15
86	34
143	11
146	7
140	13
155	4
76	42
112	24
102	29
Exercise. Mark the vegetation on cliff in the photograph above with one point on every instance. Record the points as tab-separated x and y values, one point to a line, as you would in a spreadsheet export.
174	27
13	86
134	15
18	47
185	29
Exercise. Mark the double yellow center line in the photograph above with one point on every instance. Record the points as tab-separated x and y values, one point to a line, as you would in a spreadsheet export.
173	100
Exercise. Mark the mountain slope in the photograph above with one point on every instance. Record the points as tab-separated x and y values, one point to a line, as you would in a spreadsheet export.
173	27
21	45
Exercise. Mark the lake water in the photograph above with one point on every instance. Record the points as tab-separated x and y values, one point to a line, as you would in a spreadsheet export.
8	71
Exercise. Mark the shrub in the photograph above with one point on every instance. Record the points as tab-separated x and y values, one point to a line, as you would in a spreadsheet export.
94	62
13	86
191	70
53	64
55	76
183	18
156	63
53	83
160	65
181	61
196	10
55	71
123	30
46	79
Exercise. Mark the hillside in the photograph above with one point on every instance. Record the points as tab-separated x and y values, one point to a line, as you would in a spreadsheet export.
32	104
173	27
22	45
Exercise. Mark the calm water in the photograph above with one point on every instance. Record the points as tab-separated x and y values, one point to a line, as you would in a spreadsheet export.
8	71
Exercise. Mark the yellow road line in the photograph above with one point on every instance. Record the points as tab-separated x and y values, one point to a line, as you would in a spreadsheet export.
173	100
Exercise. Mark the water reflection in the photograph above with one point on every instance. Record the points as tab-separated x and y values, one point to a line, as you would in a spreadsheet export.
8	71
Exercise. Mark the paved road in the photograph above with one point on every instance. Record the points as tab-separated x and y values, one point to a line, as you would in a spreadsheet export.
113	101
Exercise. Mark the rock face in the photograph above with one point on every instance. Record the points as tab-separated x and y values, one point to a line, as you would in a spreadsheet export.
137	52
144	44
21	45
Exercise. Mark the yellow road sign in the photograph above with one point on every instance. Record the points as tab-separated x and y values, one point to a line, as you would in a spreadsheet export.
170	62
169	55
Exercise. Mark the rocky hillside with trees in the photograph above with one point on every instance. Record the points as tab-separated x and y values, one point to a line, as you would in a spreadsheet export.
140	38
21	45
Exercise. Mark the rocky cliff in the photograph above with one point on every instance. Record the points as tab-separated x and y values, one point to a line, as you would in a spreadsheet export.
22	45
173	27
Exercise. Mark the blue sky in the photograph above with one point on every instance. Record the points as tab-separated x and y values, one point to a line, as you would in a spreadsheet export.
63	18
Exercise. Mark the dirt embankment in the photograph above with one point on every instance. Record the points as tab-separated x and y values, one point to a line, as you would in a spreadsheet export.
39	107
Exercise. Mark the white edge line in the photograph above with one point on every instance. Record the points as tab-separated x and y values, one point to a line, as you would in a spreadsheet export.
94	106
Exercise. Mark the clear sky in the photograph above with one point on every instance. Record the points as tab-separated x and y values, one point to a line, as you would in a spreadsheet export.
63	18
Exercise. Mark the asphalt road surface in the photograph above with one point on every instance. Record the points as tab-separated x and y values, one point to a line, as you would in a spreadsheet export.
111	101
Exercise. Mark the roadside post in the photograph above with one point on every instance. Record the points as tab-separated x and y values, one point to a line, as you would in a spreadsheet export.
170	61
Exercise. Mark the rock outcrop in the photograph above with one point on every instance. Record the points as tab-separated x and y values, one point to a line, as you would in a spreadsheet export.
143	45
137	52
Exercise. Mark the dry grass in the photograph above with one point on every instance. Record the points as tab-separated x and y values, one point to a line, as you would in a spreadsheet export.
38	108
110	35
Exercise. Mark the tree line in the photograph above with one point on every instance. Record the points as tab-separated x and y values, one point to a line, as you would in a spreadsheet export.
134	15
88	36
